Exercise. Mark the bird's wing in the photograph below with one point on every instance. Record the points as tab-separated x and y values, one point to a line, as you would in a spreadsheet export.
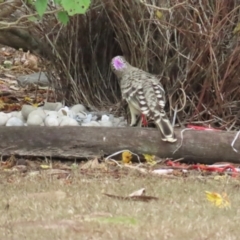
143	90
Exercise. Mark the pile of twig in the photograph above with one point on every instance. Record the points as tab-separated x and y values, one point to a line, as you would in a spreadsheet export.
192	45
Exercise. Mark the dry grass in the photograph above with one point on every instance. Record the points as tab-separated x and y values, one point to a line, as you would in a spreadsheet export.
182	211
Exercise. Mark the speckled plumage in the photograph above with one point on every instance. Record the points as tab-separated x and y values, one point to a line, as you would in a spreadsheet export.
144	94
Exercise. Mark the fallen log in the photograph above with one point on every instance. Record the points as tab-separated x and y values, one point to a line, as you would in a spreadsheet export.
84	142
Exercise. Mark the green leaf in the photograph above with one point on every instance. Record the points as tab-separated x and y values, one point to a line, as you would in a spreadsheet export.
76	6
63	17
33	19
41	6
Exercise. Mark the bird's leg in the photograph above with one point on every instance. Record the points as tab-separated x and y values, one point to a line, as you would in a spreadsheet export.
138	121
135	116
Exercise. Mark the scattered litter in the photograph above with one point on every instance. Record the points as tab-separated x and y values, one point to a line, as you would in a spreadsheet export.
122	151
202	128
228	168
233	142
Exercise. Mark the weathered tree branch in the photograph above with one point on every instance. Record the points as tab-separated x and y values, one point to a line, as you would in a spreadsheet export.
9	7
79	142
21	38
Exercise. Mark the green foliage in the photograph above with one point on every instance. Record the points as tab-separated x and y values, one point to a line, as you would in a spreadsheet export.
41	6
63	17
70	7
75	6
33	19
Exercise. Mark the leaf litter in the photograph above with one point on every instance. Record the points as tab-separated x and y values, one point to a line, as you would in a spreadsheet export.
12	95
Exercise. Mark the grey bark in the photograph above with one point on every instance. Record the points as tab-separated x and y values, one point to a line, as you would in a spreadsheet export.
83	142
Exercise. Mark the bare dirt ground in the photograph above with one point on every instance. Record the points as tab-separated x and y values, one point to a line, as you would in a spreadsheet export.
53	199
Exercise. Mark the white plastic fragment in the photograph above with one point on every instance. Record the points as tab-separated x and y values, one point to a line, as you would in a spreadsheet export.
162	171
233	142
91	124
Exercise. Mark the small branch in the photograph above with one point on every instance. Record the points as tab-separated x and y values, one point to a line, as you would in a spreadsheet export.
14	24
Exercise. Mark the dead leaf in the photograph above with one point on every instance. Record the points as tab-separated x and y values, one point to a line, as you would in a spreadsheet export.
126	157
43	166
92	164
158	14
14	88
133	198
150	159
2	104
9	163
9	76
20	168
138	195
236	29
30	61
139	192
218	200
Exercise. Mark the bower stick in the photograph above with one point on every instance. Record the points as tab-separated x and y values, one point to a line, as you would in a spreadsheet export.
84	142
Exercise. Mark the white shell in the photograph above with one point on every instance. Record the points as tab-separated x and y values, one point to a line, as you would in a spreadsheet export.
34	120
39	111
91	124
14	121
78	108
66	112
4	118
52	120
26	110
52	106
67	121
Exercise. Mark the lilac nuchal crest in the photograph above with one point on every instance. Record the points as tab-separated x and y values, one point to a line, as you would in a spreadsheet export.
144	95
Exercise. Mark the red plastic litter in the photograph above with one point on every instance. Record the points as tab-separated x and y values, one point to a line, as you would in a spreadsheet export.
202	167
201	128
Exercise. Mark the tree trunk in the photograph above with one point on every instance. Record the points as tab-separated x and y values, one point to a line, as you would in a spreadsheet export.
82	142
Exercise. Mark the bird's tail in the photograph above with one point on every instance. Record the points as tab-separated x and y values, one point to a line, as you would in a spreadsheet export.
164	125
